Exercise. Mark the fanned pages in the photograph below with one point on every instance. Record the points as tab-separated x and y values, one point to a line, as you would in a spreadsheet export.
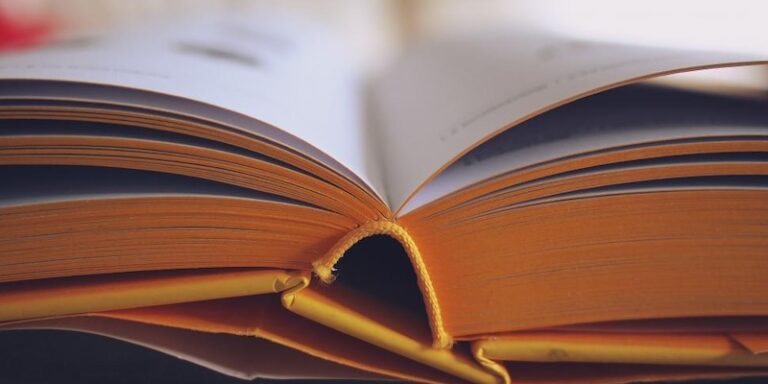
226	69
449	96
559	211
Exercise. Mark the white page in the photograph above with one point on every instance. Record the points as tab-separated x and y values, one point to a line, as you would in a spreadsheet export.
631	115
447	97
267	71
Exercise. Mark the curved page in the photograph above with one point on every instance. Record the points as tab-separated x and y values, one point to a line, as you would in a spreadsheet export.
247	358
633	115
448	97
275	78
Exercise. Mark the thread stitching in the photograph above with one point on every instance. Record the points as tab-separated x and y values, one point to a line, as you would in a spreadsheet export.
323	268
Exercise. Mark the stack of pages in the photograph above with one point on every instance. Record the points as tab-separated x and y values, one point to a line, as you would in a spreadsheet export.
194	189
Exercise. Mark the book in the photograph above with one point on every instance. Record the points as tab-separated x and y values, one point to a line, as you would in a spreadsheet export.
569	211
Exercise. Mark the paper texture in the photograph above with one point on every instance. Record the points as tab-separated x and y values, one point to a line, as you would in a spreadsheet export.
273	77
631	116
448	97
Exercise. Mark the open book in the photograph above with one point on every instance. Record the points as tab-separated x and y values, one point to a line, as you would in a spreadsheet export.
192	189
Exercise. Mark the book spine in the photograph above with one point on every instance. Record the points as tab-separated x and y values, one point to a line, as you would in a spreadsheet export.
314	305
324	268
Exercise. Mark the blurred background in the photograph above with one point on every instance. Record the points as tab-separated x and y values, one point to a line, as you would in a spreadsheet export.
377	30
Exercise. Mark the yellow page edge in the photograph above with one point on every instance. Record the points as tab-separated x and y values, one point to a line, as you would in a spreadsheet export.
305	303
135	293
699	350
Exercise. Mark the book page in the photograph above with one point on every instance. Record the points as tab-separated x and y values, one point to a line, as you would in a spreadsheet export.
39	184
447	97
633	115
276	77
244	357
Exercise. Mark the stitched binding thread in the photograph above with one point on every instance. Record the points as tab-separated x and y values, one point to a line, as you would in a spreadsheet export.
323	268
